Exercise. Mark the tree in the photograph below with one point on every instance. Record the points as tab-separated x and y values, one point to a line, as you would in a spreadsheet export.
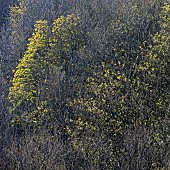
120	93
91	90
36	72
23	92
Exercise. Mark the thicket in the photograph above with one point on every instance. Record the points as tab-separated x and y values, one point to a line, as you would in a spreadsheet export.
85	85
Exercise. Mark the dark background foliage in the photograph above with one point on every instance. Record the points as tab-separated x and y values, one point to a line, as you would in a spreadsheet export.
103	81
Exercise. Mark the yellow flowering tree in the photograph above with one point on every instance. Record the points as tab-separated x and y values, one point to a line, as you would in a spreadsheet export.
66	40
120	93
16	17
153	70
24	93
35	75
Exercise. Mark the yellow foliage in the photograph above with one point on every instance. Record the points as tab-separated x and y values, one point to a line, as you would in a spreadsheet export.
16	18
30	76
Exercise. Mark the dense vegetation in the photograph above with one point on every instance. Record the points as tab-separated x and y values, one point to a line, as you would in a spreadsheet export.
85	85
